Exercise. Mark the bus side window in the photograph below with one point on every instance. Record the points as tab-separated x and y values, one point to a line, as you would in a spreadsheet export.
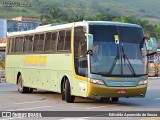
61	39
41	42
48	41
27	47
12	44
9	41
38	42
68	40
64	40
18	44
25	44
30	43
53	40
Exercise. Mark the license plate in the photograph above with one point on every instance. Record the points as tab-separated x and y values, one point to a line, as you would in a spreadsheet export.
121	91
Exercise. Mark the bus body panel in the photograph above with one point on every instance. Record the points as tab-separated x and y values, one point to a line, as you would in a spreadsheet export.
47	76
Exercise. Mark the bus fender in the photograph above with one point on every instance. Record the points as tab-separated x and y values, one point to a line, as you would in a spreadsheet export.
63	80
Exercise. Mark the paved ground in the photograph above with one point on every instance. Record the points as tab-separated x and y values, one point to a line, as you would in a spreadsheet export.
11	100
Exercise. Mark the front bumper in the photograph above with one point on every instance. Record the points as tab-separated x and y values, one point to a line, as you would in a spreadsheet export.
100	91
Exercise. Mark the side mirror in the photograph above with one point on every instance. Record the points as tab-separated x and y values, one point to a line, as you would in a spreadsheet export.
89	43
151	46
154	44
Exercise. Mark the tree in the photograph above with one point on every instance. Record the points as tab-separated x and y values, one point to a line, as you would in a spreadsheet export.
76	17
158	31
148	28
126	19
104	16
144	24
53	16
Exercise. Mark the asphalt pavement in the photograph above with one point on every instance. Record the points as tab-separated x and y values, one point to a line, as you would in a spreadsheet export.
39	100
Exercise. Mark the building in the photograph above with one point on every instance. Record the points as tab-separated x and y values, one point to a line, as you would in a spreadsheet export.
16	24
3	28
22	23
24	18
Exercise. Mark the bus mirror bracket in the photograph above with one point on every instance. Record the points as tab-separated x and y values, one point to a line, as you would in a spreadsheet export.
89	43
150	54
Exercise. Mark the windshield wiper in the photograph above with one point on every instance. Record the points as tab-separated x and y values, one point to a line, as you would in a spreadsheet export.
129	64
124	57
114	62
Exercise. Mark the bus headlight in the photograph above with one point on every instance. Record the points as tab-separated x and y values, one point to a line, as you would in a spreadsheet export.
95	81
142	82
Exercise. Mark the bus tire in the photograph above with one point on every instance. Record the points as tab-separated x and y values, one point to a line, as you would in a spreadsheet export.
115	99
21	88
63	90
68	97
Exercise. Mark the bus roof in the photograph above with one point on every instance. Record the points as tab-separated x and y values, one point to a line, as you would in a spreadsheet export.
111	23
69	25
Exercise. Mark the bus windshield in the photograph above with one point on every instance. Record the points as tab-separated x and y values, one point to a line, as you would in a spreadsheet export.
117	58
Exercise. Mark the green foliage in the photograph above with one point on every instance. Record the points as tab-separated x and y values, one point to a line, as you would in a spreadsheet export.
142	12
104	17
136	8
53	16
76	18
126	19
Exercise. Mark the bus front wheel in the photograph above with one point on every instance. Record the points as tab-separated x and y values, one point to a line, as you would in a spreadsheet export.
68	97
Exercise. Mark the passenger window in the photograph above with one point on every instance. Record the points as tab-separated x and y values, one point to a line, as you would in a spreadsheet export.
18	44
68	40
64	41
38	42
53	41
12	44
48	41
28	41
9	44
61	40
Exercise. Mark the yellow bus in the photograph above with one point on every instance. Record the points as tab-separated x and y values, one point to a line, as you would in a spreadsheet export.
90	59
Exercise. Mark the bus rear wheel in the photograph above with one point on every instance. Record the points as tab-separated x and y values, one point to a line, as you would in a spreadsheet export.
115	99
21	88
68	97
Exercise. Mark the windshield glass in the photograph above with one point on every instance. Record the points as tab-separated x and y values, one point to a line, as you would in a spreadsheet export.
116	50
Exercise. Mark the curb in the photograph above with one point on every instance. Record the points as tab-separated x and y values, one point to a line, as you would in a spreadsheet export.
153	77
